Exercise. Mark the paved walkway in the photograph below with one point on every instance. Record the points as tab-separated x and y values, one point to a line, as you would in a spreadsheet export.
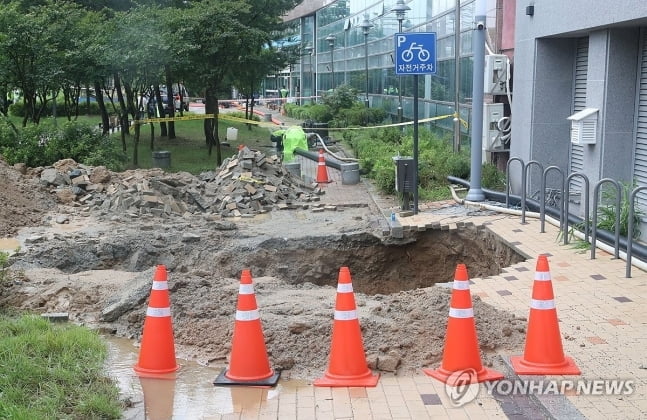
602	322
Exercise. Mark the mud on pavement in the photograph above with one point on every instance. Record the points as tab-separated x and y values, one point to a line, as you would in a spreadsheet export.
97	265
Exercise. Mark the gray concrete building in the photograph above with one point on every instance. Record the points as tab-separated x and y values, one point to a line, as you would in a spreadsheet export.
587	60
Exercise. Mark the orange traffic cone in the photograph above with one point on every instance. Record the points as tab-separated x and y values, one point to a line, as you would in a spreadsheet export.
157	350
249	364
543	354
461	353
322	171
347	366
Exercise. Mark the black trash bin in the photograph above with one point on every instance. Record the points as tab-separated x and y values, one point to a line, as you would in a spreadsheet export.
162	159
321	129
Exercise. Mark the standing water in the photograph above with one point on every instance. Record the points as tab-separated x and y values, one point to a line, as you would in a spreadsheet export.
190	395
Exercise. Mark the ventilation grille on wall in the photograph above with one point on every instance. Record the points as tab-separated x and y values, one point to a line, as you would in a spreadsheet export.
584	126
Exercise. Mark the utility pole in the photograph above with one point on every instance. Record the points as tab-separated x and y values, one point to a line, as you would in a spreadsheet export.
475	192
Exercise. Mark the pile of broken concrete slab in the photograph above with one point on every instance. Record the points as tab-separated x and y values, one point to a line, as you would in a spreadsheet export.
246	184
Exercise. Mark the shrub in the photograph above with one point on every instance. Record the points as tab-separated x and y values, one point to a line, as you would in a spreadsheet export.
44	144
240	114
342	97
359	115
320	113
492	178
18	109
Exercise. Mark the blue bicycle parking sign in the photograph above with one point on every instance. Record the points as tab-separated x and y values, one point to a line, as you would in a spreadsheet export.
415	53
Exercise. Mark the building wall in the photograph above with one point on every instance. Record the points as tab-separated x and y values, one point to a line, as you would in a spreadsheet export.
544	57
342	18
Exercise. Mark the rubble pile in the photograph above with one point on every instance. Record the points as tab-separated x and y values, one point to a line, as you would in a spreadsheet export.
244	185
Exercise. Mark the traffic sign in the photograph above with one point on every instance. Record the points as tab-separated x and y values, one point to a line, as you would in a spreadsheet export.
415	53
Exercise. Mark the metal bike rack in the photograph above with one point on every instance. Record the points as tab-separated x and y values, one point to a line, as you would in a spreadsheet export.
542	198
586	205
525	187
507	178
596	195
630	228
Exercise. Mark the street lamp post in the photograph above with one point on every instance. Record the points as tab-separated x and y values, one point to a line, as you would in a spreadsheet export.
457	76
331	42
309	50
366	27
400	10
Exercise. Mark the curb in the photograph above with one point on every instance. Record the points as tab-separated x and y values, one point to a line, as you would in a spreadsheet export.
533	405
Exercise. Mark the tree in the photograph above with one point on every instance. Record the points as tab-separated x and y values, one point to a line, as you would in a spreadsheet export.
30	47
138	57
254	67
219	36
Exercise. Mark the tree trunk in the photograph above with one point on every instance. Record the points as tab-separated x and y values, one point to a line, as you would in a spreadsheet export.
152	136
105	120
136	146
123	112
87	98
171	101
211	125
160	108
4	101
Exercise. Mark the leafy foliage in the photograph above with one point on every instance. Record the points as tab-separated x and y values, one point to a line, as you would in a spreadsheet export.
492	178
342	97
44	144
607	211
436	160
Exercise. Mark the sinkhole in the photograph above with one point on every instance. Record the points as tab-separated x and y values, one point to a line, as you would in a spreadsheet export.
379	267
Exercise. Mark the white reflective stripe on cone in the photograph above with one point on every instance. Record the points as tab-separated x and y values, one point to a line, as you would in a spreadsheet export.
542	304
345	315
461	285
461	313
247	315
246	289
160	285
345	287
542	275
158	312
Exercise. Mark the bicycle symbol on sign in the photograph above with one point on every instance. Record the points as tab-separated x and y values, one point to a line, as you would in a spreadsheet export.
423	54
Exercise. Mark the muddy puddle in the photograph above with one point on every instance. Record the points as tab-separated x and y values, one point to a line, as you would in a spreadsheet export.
9	245
191	395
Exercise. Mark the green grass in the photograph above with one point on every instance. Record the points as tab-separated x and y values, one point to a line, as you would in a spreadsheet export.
53	371
189	151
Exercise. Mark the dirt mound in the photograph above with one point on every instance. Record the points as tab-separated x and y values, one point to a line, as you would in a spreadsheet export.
402	332
98	269
22	201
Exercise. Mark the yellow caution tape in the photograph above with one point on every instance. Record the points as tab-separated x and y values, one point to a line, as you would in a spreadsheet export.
252	180
424	120
168	119
226	117
201	117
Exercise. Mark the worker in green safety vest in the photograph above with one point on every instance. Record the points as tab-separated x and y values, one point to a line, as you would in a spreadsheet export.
293	138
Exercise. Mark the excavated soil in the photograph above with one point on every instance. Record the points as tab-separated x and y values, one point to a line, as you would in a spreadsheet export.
97	266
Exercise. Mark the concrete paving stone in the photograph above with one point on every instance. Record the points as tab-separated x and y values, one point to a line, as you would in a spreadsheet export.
600	313
437	411
305	402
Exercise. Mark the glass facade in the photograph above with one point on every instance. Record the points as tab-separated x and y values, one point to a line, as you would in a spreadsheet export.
334	54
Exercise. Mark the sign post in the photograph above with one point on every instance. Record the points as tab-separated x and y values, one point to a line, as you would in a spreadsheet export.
415	54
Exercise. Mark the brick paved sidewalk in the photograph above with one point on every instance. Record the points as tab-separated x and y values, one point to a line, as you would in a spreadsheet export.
601	314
